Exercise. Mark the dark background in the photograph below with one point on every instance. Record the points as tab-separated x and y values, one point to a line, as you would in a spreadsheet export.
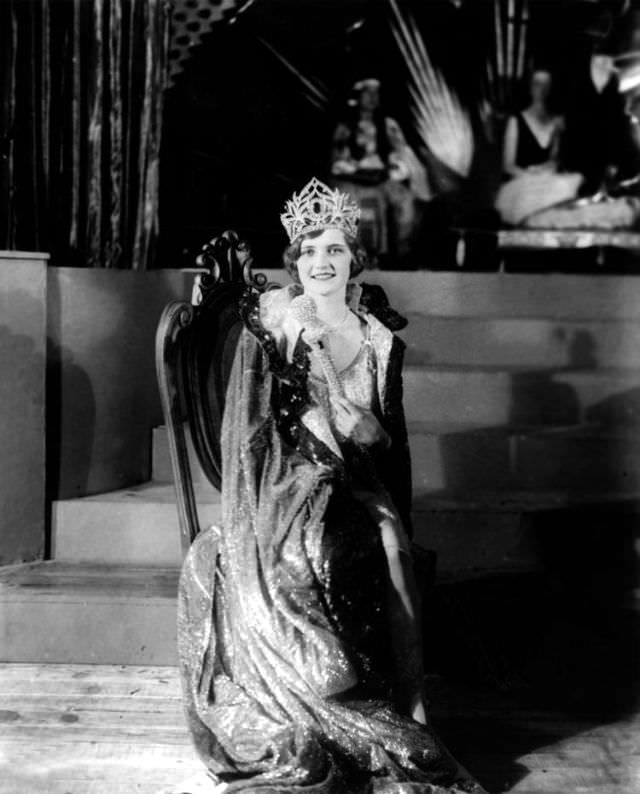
240	135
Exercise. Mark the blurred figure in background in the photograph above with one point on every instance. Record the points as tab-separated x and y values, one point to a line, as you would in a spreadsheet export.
629	85
530	157
595	124
372	161
532	138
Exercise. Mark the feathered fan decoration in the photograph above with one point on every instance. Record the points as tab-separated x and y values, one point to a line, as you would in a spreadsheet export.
441	122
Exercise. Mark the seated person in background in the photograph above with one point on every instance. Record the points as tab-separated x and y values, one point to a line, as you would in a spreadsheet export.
531	145
532	137
373	162
616	204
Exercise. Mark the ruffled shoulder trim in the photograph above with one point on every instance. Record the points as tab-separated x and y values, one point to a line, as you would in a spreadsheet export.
290	397
252	310
274	306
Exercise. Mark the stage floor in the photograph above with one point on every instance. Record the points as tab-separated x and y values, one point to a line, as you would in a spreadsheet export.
83	729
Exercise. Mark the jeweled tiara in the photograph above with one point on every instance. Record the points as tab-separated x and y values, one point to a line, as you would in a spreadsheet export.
318	207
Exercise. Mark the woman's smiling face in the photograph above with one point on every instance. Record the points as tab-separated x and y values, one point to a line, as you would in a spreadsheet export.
324	264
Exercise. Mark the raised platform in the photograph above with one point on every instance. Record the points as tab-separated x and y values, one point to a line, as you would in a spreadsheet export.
92	613
135	526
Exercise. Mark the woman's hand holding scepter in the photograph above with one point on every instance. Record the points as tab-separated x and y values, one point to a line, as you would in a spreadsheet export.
314	331
352	421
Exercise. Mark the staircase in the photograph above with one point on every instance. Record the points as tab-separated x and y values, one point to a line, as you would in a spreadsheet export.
522	396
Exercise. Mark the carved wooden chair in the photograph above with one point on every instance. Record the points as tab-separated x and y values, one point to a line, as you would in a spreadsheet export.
195	347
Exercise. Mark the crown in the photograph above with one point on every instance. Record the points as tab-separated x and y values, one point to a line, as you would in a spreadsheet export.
318	207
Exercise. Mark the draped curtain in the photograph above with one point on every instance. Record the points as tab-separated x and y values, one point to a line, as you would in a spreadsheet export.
82	86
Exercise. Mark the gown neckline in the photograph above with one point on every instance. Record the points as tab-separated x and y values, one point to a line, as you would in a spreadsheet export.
355	360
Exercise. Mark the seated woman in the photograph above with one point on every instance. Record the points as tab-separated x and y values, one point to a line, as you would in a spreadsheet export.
298	621
531	145
532	138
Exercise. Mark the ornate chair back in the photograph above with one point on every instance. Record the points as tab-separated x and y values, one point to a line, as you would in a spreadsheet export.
195	347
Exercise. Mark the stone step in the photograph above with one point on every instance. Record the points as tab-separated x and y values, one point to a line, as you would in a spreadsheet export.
578	460
497	396
136	525
139	526
497	531
583	459
514	320
103	613
58	612
521	341
500	295
459	458
520	396
96	613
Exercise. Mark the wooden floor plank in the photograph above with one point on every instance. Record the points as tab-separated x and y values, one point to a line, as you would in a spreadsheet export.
55	678
83	729
158	689
133	702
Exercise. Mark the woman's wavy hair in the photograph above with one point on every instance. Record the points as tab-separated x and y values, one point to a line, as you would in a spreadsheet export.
359	257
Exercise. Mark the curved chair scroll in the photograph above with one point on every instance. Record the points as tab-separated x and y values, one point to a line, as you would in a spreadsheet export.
195	346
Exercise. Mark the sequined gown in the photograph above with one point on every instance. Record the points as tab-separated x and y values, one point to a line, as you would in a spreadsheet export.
282	629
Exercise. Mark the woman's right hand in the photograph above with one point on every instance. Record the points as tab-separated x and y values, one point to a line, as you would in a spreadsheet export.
359	424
